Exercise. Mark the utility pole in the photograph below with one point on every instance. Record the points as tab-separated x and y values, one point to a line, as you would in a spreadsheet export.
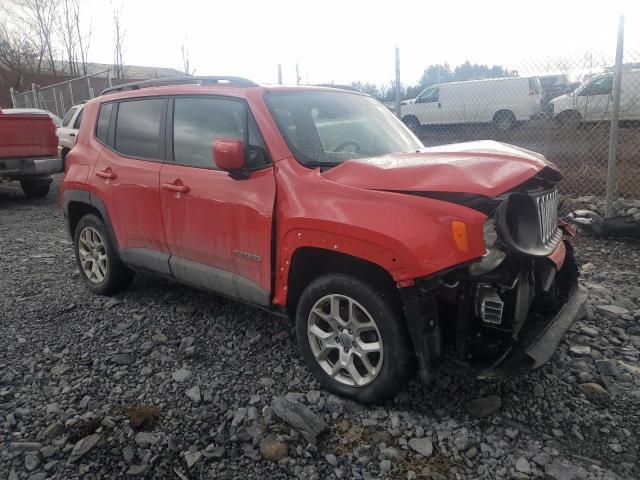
397	81
279	74
615	114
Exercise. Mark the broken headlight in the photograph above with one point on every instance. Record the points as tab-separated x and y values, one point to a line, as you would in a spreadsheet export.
493	256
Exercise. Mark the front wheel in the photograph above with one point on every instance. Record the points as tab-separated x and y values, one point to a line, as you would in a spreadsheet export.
413	123
504	121
353	338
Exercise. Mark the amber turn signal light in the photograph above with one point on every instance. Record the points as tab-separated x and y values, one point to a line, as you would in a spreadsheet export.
459	232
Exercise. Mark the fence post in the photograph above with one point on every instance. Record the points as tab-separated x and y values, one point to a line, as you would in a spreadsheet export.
89	89
397	81
279	74
13	97
34	92
55	100
615	113
71	95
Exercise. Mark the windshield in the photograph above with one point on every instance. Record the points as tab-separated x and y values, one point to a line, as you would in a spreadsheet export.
328	128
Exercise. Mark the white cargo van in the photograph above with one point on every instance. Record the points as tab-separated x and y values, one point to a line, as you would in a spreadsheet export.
591	102
501	101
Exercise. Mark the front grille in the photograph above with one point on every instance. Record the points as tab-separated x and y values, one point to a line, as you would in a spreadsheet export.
547	205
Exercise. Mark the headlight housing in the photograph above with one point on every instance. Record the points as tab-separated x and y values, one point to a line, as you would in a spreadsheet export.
494	256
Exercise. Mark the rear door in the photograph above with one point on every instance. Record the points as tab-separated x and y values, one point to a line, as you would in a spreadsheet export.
218	229
126	179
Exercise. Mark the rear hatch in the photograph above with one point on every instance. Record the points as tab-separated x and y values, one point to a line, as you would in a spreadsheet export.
27	135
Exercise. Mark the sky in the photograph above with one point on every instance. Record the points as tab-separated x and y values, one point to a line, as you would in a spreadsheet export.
348	40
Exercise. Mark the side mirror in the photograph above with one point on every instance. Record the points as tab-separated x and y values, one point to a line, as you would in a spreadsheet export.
228	155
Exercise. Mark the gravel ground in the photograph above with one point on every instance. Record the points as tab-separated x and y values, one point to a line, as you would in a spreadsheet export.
164	381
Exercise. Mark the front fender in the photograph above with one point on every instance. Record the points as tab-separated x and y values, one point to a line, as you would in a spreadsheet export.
406	235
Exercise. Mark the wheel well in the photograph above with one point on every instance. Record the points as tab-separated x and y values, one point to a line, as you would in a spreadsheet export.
407	117
569	113
504	111
308	263
76	211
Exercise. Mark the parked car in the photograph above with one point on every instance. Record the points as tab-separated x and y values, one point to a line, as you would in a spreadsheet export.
591	102
28	150
320	205
501	101
68	131
56	119
555	85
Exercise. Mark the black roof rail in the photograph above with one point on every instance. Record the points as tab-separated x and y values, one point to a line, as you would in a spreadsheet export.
341	87
186	80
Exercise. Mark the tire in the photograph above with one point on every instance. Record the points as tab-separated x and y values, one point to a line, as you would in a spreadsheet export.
91	241
504	120
570	119
413	123
35	189
392	365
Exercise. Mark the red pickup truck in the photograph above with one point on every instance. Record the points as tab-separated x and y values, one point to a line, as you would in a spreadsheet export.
28	151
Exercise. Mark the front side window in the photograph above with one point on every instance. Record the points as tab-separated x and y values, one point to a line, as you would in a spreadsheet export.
198	122
430	95
138	128
328	128
67	118
598	86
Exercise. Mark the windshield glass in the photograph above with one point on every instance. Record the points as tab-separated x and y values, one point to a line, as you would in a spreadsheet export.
327	128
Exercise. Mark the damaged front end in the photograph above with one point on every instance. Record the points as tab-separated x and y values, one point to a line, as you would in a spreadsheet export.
506	313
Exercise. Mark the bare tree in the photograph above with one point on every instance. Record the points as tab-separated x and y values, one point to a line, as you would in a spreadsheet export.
40	16
185	61
74	39
120	32
17	56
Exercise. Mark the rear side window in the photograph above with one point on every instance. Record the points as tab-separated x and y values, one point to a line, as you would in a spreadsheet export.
138	128
102	129
198	122
67	118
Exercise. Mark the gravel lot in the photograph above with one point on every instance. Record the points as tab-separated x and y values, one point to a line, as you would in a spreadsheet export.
210	376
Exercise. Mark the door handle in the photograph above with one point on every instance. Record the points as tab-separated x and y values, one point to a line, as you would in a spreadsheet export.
72	134
176	187
106	174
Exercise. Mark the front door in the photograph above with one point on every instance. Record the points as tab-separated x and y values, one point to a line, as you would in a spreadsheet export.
126	178
428	108
593	101
219	229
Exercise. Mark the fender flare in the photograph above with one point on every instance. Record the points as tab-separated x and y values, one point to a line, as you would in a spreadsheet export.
87	198
371	252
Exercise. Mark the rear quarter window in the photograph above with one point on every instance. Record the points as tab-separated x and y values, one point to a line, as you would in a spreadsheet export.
102	127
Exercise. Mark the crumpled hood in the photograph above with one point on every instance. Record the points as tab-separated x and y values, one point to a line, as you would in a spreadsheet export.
483	168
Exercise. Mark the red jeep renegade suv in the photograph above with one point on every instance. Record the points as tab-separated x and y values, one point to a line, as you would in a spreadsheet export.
317	203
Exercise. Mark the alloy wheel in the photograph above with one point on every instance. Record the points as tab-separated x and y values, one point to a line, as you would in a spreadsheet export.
345	340
93	255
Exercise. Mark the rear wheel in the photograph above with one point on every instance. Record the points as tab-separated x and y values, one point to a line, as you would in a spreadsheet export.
353	338
504	120
99	265
35	189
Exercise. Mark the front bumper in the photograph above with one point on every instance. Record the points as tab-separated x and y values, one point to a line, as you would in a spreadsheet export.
17	168
538	340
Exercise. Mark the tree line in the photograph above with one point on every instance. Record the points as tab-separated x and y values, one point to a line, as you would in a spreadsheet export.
433	75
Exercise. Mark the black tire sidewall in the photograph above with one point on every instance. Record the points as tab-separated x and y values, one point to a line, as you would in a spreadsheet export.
115	278
505	114
398	358
35	189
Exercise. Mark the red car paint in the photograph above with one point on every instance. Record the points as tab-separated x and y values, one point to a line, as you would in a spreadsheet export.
209	218
27	135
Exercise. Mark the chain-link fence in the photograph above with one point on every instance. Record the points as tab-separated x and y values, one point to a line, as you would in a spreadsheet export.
560	107
59	98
